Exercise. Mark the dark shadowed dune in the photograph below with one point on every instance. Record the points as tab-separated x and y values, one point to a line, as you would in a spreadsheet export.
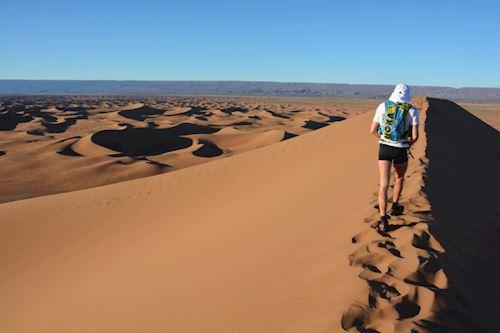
10	119
59	127
187	129
68	151
196	111
332	119
234	109
15	114
208	149
276	114
142	113
35	132
242	123
462	185
66	143
288	135
314	125
149	141
71	138
44	115
140	141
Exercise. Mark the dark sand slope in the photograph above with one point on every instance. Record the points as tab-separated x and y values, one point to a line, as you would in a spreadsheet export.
463	186
435	269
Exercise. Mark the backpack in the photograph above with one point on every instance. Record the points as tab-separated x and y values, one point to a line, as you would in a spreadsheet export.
393	123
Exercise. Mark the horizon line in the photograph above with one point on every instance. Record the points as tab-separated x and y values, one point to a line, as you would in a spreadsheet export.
255	81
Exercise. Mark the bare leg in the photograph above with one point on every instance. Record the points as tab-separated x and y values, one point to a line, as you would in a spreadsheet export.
384	170
398	182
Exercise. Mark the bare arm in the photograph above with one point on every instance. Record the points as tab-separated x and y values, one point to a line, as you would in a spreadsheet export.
374	128
414	134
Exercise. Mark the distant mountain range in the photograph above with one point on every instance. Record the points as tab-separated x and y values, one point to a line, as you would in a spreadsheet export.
333	90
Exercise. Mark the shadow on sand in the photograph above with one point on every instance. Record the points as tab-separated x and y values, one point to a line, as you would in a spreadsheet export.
149	141
462	183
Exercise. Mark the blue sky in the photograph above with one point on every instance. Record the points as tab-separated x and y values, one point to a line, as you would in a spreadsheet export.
452	43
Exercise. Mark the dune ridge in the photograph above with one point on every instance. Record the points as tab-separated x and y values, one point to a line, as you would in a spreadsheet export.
401	265
263	242
434	269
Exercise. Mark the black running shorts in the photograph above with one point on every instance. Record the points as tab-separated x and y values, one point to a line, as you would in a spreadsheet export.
390	153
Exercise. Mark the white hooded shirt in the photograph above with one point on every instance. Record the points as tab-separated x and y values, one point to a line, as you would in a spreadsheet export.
401	94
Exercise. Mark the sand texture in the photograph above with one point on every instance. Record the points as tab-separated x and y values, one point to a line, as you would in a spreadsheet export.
58	144
280	237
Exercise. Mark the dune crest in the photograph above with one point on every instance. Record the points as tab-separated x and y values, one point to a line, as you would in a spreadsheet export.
400	265
263	241
423	273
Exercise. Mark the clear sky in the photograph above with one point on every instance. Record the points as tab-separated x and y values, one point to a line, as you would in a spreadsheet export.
453	43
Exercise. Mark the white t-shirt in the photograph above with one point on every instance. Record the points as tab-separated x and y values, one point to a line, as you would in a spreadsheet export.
411	119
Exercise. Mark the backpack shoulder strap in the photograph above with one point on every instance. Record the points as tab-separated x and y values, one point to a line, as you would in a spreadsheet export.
406	109
406	106
390	107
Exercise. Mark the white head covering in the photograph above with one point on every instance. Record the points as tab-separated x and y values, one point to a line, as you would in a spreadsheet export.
401	94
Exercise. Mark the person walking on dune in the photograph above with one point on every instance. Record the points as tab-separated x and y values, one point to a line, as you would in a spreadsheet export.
396	125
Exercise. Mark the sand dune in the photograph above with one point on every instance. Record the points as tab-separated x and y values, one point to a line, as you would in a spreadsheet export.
59	144
402	265
435	269
248	244
276	239
487	112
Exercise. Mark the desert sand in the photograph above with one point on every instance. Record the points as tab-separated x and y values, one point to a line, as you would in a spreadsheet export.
53	144
277	238
487	112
